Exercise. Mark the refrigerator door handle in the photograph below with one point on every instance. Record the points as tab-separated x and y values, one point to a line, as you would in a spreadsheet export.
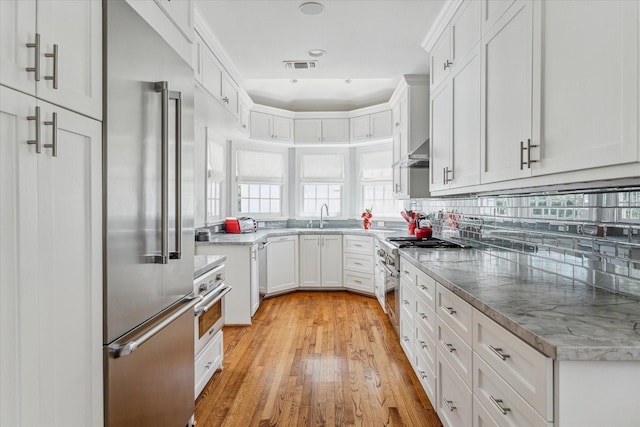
117	350
177	97
163	87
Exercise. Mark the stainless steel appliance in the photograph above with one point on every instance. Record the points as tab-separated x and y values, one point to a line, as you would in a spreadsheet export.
388	259
148	200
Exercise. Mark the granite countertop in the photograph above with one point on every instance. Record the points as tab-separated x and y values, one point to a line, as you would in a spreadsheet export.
564	319
205	263
262	235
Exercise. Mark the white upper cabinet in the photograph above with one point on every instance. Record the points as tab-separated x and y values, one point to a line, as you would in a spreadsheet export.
371	126
181	14
586	111
63	52
322	130
507	94
440	151
465	32
441	58
270	127
230	95
492	10
243	116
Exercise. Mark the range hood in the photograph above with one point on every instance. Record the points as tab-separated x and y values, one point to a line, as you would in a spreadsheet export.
418	158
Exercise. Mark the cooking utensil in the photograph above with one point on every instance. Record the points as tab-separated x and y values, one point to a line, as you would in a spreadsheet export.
424	233
405	216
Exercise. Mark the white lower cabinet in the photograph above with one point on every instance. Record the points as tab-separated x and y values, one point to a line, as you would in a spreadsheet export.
359	264
320	261
455	401
457	352
208	361
426	375
282	264
481	417
51	359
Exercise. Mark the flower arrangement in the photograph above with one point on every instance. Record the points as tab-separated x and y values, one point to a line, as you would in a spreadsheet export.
366	218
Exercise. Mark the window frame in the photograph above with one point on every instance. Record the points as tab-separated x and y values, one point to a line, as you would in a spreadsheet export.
359	184
210	219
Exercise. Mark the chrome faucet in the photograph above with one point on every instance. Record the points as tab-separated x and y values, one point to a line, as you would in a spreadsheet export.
324	205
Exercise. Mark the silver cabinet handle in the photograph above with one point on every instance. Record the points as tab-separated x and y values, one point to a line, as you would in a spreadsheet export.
447	64
450	310
54	136
424	316
357	281
498	403
225	99
116	351
36	65
36	141
423	344
498	352
406	338
357	245
357	263
423	375
449	404
423	287
450	347
406	302
54	76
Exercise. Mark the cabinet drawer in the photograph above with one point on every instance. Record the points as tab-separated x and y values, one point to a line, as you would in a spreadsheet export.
408	271
454	400
504	405
407	300
426	375
529	372
426	347
407	339
359	281
359	263
455	350
358	244
207	362
481	417
426	318
456	312
426	289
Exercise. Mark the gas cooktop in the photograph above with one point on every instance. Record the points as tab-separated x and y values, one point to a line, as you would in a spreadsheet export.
414	242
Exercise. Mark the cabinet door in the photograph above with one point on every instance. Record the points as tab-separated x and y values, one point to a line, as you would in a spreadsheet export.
181	14
261	125
465	121
19	257
359	128
331	249
507	94
70	267
440	136
585	125
335	130
404	127
76	29
308	130
230	96
282	264
200	175
255	280
492	10
310	261
465	31
283	129
441	58
18	24
212	74
381	125
396	120
197	57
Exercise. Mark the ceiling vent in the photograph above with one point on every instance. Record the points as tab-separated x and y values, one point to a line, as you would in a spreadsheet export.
300	65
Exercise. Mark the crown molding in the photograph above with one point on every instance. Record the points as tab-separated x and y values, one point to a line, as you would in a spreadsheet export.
446	13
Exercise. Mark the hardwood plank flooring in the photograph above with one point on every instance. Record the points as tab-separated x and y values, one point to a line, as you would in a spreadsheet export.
315	359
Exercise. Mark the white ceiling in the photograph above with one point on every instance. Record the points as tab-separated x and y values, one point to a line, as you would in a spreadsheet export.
372	43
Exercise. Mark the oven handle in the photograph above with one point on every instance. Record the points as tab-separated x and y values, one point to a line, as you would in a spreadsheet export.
212	298
389	271
126	349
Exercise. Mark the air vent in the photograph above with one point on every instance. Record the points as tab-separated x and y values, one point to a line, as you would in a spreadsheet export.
300	65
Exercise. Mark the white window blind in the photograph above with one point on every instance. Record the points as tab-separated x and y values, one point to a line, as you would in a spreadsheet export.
376	166
259	166
216	161
321	168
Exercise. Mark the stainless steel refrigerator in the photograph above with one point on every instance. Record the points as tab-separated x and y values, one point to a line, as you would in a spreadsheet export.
148	235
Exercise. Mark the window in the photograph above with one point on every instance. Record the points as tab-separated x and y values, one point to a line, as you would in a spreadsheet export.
321	181
216	174
376	181
260	178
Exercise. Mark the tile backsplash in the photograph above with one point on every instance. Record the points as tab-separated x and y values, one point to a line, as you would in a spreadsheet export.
590	237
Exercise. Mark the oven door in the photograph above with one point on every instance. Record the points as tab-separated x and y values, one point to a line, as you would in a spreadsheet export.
391	287
209	316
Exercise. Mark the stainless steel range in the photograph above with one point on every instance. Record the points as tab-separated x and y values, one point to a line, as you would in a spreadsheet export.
388	259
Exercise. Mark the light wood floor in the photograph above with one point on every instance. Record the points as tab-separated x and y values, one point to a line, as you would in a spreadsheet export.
315	359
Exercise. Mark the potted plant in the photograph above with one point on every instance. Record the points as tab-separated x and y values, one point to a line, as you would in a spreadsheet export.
366	218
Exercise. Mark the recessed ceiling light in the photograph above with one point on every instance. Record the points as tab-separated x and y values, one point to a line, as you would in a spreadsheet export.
294	80
311	8
347	81
316	53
